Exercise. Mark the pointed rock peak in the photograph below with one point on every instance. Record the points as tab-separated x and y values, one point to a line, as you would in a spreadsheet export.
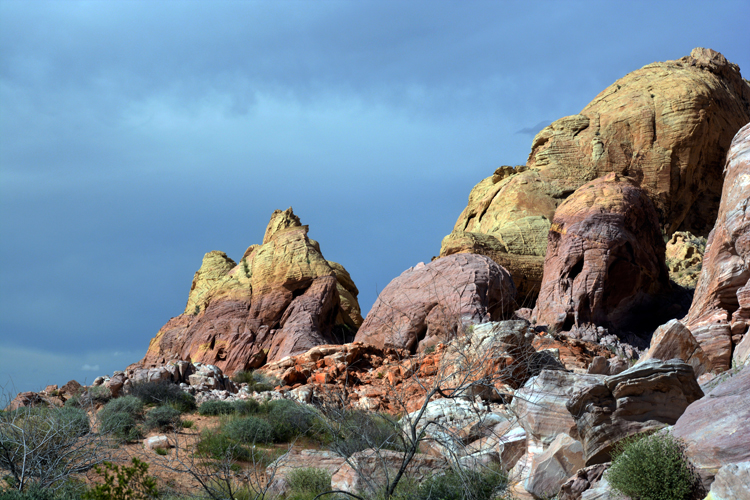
215	266
280	220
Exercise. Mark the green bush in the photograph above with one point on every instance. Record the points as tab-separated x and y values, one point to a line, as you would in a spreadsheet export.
163	418
466	484
654	467
246	406
219	446
213	408
249	430
99	394
163	392
75	419
120	418
307	483
255	381
289	419
362	430
132	483
36	493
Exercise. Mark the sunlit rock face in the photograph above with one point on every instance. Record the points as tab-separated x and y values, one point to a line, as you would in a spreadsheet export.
720	313
668	124
282	298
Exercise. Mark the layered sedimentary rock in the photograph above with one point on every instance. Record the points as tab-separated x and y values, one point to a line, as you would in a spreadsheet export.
668	123
717	428
720	313
426	304
281	299
645	397
674	341
605	256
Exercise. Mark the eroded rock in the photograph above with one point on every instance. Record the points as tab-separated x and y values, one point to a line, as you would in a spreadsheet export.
282	298
720	313
605	256
428	303
646	397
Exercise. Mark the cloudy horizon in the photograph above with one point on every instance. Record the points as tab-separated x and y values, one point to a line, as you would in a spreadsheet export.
137	136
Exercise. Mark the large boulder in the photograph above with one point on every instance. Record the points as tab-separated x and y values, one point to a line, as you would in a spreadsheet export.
668	123
428	303
540	405
551	469
605	256
283	298
673	340
720	313
646	397
717	427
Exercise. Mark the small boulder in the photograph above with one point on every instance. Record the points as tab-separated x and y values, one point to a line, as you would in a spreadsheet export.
157	442
673	340
550	469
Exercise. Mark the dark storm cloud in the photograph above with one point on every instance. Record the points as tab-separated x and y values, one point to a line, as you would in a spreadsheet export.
136	136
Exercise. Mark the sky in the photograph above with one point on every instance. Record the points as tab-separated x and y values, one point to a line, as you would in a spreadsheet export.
135	136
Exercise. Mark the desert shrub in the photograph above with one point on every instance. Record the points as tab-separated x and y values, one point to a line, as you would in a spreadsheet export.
163	392
120	418
99	394
162	418
465	484
289	419
36	493
307	483
361	430
123	483
187	424
219	446
249	430
127	404
246	406
213	408
653	467
255	381
75	419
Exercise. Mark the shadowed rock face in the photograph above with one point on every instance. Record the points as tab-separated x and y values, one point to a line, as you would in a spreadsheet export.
669	124
720	313
605	256
645	397
283	298
427	303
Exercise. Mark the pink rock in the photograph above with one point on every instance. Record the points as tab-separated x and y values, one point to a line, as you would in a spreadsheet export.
427	303
674	341
605	256
720	313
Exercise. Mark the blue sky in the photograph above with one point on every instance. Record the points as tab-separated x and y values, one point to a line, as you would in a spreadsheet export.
137	136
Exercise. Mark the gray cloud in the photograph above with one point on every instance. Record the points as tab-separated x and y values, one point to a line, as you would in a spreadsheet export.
136	136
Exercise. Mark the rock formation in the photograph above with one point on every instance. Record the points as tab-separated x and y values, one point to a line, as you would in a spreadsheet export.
646	397
426	304
669	124
281	299
685	258
674	341
720	313
717	427
605	256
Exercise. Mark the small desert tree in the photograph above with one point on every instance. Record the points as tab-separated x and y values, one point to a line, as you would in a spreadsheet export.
44	445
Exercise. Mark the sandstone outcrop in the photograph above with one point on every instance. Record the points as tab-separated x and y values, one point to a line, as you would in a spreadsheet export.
646	397
674	341
605	256
684	256
540	404
428	303
668	123
720	313
732	482
583	480
553	467
717	427
283	298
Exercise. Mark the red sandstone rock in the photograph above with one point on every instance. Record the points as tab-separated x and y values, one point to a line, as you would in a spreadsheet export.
720	313
283	298
605	256
427	303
